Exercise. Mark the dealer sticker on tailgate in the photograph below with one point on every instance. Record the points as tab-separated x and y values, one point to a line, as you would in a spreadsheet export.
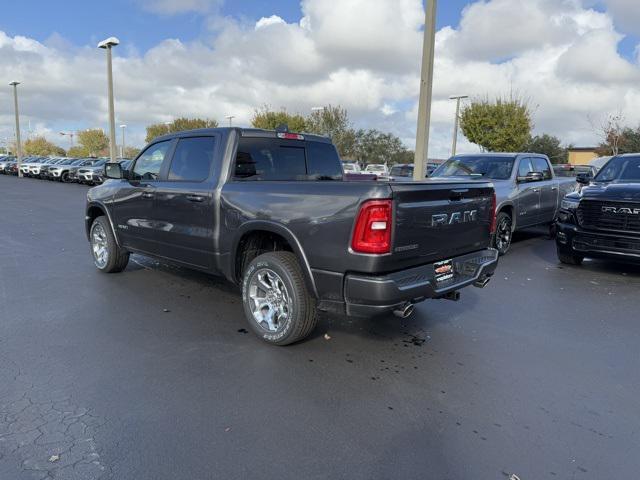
443	270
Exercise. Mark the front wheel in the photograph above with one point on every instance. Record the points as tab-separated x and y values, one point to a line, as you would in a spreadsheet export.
277	303
504	233
108	257
569	257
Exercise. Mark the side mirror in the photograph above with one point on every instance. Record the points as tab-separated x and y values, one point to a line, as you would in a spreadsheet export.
531	177
113	170
584	178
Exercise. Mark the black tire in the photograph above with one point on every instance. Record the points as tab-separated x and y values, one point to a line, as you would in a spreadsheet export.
117	258
569	257
553	230
504	233
302	317
64	177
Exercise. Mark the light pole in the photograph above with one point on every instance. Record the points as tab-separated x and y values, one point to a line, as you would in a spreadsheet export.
426	91
122	151
457	98
108	44
15	84
70	135
230	118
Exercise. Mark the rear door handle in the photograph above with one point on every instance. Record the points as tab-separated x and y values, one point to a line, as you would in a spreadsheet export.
536	190
147	194
195	198
554	188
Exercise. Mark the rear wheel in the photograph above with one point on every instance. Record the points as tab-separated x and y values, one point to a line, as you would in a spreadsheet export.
504	233
64	177
108	257
277	303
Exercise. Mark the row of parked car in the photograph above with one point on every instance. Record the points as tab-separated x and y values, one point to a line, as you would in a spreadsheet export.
89	171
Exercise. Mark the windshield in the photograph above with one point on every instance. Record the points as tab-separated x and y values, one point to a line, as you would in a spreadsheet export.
375	168
489	166
348	167
402	171
620	169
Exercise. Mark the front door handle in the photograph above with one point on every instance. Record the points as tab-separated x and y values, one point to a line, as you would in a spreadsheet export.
554	188
536	190
195	198
147	194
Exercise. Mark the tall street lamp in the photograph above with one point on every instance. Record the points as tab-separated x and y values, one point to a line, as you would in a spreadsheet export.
122	151
108	44
70	135
457	98
426	91
15	84
230	118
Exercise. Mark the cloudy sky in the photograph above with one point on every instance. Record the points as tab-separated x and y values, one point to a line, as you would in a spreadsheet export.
575	60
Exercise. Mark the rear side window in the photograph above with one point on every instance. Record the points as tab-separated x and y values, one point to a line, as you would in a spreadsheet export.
192	159
323	162
540	165
266	159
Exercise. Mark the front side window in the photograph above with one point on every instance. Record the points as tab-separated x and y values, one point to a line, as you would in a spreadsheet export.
266	159
192	159
148	164
525	167
540	165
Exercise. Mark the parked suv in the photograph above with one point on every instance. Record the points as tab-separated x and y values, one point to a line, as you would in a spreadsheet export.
603	218
271	212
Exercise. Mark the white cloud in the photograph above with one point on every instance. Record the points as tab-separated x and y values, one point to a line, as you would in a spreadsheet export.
626	14
362	54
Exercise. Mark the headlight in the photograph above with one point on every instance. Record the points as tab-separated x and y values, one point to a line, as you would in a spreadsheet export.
569	204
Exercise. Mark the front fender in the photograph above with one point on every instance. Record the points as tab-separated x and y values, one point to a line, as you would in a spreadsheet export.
90	215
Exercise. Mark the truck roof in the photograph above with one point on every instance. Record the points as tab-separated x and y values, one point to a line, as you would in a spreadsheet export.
501	154
243	132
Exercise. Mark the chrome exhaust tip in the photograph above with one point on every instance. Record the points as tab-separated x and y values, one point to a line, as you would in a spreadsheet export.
405	311
482	282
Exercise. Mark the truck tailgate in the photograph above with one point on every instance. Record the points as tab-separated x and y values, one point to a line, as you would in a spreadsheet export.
438	220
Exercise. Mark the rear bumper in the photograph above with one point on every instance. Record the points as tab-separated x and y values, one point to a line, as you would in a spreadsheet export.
369	295
589	243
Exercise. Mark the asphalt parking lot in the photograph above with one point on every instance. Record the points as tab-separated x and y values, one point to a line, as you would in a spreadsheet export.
149	374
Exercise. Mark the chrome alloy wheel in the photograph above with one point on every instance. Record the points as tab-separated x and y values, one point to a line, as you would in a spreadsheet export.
271	303
99	245
503	235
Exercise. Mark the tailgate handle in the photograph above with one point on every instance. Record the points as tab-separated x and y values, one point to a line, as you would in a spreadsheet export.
456	195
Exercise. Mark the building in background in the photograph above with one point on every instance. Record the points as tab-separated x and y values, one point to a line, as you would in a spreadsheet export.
581	155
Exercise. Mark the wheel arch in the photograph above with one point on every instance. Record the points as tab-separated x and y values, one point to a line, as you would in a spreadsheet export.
509	209
95	210
276	233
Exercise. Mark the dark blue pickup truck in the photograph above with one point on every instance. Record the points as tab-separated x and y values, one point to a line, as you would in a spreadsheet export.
273	213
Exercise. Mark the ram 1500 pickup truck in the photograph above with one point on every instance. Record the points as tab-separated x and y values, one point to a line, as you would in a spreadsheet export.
603	218
527	190
271	212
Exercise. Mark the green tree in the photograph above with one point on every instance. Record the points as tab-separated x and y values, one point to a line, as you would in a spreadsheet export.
131	152
40	146
373	146
269	119
92	143
549	146
628	141
334	123
178	125
503	125
77	152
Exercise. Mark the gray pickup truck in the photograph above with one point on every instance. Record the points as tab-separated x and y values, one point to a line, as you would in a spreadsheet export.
527	190
273	213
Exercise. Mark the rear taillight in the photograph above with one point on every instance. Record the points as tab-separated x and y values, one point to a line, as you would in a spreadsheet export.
372	232
493	213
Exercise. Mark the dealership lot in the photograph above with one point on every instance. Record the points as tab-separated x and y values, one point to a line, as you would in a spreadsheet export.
149	374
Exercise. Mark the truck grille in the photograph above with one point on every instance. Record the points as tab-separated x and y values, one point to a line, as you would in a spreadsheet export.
591	215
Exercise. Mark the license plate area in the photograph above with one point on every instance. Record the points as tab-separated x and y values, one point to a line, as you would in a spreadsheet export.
443	270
